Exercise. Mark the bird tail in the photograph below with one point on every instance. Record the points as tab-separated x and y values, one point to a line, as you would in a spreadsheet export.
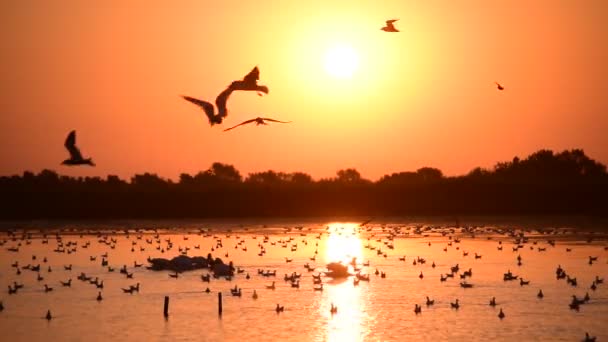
90	161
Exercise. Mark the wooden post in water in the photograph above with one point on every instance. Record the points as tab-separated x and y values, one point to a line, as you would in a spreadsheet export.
166	309
219	303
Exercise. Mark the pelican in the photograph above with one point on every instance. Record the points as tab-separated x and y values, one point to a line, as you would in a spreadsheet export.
75	155
389	26
258	121
501	314
255	295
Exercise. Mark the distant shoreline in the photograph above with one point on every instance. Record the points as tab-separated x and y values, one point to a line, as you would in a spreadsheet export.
544	184
594	223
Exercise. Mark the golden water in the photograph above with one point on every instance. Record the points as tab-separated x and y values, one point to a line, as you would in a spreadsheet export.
379	310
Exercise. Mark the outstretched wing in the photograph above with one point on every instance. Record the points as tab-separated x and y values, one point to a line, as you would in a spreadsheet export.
70	145
273	120
253	76
242	85
263	89
206	106
242	123
221	101
390	22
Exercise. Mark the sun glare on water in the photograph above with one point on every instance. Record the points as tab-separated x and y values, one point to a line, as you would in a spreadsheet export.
343	243
341	61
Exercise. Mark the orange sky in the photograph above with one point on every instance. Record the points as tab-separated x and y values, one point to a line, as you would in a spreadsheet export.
114	70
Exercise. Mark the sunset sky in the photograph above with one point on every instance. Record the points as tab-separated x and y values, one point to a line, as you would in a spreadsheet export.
114	71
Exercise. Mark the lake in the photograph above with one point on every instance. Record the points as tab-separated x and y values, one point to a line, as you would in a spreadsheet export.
379	310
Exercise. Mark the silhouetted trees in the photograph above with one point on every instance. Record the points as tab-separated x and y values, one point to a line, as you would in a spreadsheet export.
568	182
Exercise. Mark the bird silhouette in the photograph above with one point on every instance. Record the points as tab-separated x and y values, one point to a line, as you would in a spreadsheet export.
75	155
389	26
258	121
248	83
220	102
499	86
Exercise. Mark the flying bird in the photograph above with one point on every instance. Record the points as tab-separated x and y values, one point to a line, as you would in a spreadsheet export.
499	86
220	102
75	155
249	82
258	121
389	26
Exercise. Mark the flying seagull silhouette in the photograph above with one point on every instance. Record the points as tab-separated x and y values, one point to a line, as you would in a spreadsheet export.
220	102
75	155
499	86
249	82
258	121
389	26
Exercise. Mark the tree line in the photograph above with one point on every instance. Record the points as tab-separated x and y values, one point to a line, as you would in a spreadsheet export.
565	183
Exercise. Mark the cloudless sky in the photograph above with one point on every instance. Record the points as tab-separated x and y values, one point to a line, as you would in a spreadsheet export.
113	70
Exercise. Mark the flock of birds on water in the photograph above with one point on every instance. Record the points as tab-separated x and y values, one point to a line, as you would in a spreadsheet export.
248	83
361	271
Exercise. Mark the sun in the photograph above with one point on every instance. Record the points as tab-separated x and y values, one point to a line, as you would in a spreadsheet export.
341	61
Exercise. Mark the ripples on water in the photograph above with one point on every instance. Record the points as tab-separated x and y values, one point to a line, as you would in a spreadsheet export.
379	310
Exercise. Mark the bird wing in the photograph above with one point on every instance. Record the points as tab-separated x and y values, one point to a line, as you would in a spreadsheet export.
242	123
221	101
390	22
70	145
262	88
273	120
242	85
206	106
253	76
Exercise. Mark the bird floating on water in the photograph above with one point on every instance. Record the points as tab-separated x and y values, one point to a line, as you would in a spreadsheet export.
390	27
75	155
499	86
258	121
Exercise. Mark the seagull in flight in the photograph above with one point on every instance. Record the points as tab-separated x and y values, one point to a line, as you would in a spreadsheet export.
249	82
389	26
258	121
499	86
220	102
75	155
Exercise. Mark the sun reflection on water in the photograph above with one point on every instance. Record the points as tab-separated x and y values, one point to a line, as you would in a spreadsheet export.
343	244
